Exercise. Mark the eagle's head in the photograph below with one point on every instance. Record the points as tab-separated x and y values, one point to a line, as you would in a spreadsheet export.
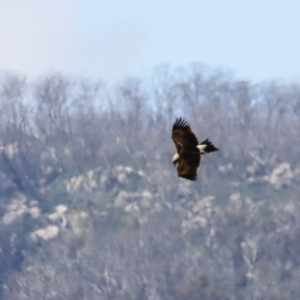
175	159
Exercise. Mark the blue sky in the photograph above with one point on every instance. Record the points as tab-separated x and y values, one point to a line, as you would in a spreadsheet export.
113	39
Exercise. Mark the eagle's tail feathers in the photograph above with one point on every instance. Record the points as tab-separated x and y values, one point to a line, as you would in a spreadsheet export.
207	146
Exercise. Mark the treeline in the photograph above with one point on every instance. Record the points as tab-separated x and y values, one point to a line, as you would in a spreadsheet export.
92	207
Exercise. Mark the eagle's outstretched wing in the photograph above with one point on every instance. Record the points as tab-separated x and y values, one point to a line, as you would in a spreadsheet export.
186	142
183	136
188	165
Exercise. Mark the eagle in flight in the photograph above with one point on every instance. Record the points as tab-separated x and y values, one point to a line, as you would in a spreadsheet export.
189	151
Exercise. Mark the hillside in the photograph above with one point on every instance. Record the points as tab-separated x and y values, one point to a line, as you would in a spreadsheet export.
92	207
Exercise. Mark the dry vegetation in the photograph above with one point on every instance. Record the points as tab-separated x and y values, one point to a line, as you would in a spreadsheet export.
92	208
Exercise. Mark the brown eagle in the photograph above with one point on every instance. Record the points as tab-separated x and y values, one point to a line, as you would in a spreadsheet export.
189	151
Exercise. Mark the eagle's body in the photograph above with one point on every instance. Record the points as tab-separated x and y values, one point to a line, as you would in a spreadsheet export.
189	151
